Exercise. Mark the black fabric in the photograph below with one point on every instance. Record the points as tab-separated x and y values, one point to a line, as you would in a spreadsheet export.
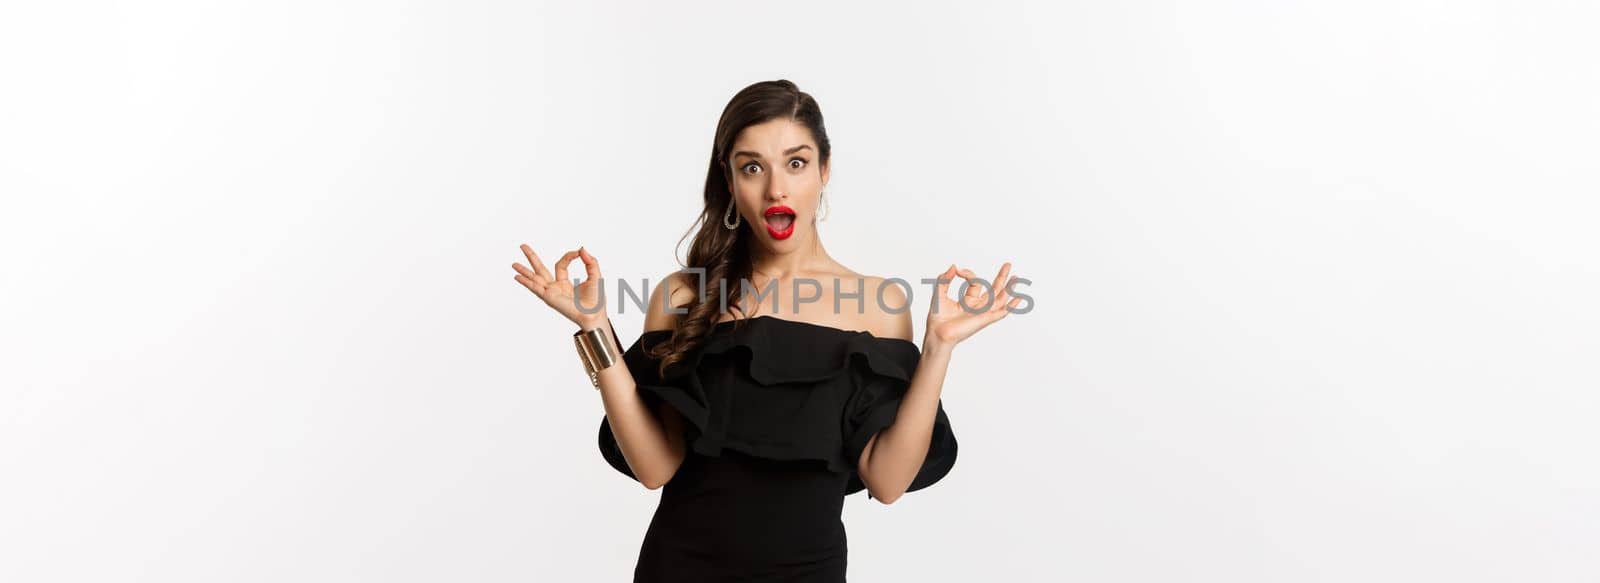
777	413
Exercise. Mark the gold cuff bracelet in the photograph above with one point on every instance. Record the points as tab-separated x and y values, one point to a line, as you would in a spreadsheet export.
597	352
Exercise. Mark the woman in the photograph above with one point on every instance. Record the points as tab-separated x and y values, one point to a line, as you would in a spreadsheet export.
755	420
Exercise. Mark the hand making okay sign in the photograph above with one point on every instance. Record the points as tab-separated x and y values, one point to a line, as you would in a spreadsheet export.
950	323
557	290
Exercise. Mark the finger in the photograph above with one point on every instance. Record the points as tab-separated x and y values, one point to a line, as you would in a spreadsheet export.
1011	305
591	266
1000	278
942	289
1000	312
532	286
964	273
534	262
1004	297
993	316
1002	294
561	265
524	270
970	276
1000	284
973	298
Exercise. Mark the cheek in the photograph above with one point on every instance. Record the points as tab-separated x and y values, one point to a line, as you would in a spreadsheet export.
748	188
747	197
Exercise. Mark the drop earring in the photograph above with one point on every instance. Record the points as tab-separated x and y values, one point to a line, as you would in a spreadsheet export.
725	222
824	196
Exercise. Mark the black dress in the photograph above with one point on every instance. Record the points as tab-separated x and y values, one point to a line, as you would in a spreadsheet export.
776	414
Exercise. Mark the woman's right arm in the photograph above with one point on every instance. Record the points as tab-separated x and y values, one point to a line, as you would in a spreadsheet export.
652	443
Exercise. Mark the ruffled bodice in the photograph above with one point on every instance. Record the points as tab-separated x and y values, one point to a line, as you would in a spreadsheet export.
785	390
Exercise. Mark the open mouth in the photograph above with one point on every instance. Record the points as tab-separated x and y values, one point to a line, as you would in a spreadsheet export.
780	221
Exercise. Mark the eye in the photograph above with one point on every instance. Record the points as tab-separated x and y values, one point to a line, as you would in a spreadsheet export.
802	162
746	168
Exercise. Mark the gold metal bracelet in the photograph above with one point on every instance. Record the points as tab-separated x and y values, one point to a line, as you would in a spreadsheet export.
597	352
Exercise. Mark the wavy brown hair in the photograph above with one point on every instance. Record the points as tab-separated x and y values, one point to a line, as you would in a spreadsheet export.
723	253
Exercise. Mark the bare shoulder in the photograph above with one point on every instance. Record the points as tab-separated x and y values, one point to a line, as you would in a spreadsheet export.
674	290
888	311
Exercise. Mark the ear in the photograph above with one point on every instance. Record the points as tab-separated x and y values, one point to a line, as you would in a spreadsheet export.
825	167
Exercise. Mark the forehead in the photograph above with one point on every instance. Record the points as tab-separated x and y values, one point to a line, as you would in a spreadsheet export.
773	137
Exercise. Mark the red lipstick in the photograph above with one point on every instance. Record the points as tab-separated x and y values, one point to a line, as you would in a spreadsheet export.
780	221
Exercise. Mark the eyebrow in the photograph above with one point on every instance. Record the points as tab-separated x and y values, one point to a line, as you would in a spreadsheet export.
785	152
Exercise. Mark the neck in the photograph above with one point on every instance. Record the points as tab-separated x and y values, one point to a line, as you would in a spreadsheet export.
809	257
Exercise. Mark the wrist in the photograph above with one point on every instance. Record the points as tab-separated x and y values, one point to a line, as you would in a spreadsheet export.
933	345
590	322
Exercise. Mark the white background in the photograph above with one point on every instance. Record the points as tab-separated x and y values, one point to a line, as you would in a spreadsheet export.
1314	282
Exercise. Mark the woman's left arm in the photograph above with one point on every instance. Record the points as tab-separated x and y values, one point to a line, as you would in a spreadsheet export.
893	457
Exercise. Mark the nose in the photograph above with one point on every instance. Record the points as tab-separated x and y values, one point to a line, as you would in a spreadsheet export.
777	188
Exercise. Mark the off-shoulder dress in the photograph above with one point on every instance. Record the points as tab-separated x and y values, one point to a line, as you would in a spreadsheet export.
776	414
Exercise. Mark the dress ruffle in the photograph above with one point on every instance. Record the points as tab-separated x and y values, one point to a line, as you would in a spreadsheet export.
786	390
